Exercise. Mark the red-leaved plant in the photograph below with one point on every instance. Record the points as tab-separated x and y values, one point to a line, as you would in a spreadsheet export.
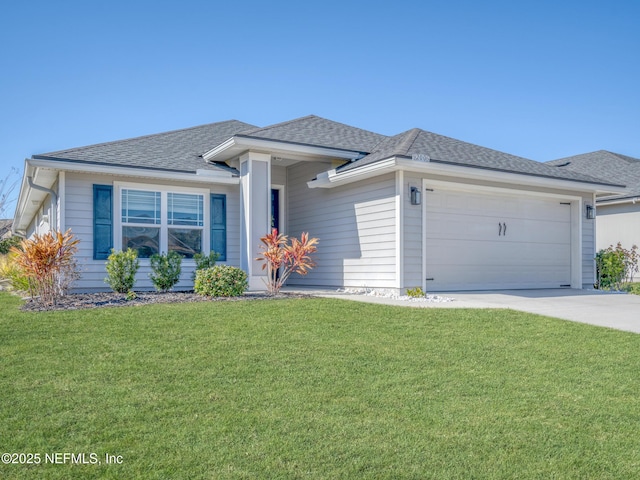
282	258
48	262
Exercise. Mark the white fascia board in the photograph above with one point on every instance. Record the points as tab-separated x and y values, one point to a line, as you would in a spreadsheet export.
236	145
332	178
23	197
504	177
203	176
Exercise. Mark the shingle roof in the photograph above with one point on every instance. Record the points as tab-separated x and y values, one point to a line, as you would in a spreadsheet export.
441	149
178	150
318	131
181	150
613	167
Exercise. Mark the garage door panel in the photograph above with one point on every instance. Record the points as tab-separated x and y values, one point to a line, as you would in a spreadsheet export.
460	278
474	253
467	246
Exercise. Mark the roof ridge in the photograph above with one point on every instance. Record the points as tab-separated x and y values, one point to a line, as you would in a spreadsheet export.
413	135
130	139
280	124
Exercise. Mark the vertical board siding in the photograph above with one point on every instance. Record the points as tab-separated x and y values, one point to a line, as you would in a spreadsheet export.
79	218
355	224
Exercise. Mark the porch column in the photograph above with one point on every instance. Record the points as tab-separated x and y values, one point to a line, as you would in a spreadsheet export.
255	189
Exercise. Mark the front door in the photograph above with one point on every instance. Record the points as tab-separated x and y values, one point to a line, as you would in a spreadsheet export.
275	209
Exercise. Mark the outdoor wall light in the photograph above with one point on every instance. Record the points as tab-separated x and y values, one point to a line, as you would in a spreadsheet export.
416	196
591	212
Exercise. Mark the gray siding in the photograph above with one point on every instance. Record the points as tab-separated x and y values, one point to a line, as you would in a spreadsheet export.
412	234
355	224
588	246
78	207
618	223
278	175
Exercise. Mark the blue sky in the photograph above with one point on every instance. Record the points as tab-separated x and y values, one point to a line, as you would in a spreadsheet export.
541	79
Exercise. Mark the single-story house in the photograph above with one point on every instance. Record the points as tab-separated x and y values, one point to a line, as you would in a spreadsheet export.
618	215
391	212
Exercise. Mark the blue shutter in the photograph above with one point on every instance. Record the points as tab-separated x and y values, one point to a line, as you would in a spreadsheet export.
102	221
219	225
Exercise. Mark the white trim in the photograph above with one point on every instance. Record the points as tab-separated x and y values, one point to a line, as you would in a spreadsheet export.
238	144
62	189
604	202
424	235
249	194
332	178
163	225
507	191
213	177
400	229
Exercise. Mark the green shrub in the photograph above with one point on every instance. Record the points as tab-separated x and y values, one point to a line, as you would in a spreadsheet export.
11	271
165	270
221	281
7	243
205	261
415	292
616	265
121	270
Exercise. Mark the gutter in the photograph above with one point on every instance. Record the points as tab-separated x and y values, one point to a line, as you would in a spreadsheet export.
332	178
54	198
619	201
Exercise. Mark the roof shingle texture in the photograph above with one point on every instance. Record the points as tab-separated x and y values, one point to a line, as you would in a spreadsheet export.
181	150
613	167
178	150
318	131
441	149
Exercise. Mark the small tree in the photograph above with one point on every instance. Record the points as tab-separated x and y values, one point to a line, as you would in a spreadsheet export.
282	258
165	270
121	270
49	264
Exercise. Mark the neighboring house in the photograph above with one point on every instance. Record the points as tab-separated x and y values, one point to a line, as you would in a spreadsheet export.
5	228
412	210
618	216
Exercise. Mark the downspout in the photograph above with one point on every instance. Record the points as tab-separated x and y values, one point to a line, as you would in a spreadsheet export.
54	199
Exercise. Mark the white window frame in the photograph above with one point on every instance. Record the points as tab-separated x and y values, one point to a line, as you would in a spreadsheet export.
163	225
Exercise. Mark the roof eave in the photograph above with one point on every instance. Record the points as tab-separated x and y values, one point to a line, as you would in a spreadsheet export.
34	166
333	178
238	144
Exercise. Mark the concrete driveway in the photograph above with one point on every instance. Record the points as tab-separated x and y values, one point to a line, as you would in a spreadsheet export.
613	310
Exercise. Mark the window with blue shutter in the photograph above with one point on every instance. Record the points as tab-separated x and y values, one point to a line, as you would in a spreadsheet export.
102	221
219	225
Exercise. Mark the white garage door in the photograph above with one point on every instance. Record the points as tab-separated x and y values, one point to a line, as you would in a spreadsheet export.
482	241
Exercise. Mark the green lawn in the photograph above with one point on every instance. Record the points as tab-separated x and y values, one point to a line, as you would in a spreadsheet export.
317	388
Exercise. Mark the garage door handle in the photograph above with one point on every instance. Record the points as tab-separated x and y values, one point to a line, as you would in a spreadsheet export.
499	229
504	229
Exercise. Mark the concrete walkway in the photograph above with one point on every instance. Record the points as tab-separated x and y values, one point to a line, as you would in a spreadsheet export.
613	310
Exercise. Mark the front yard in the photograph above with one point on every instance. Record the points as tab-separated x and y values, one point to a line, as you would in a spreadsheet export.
315	388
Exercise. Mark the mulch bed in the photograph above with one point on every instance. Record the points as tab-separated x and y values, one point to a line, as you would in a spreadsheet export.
98	300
